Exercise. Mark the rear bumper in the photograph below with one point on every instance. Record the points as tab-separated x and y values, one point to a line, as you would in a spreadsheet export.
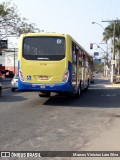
62	87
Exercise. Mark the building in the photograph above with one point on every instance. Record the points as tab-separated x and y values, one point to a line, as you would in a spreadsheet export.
9	61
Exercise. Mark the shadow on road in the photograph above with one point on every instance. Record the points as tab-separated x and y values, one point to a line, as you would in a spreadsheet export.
12	98
98	98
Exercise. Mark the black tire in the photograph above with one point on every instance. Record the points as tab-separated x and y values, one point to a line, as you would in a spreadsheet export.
92	81
13	89
87	86
44	94
0	92
78	94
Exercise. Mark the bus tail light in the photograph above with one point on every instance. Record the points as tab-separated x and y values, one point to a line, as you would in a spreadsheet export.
65	76
21	75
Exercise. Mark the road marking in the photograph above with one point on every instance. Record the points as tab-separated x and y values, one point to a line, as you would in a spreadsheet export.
112	86
108	95
95	88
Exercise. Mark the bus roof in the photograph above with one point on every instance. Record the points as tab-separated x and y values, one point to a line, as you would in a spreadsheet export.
44	34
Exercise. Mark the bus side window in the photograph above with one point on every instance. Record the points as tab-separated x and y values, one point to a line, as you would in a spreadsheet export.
86	64
73	54
83	61
86	61
76	51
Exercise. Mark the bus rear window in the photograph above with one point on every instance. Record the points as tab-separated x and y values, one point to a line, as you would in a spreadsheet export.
44	48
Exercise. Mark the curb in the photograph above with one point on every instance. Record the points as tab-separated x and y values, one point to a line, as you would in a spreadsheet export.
115	84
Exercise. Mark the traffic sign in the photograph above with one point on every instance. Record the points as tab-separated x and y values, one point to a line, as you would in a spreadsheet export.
96	53
98	60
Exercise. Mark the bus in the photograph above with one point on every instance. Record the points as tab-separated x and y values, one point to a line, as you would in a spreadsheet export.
52	62
91	69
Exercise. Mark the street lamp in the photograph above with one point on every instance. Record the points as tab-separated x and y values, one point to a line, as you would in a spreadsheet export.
99	25
105	72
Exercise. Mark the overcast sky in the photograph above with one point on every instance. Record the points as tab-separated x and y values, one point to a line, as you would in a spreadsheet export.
73	17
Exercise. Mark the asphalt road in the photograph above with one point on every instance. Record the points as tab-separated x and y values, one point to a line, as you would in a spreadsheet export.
31	123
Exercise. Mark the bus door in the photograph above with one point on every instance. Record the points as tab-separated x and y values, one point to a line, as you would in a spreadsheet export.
83	71
86	70
74	67
79	66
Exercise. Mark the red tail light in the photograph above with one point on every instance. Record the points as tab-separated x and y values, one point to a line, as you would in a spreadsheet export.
65	76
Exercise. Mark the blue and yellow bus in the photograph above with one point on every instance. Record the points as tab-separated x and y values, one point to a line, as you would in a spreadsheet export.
52	62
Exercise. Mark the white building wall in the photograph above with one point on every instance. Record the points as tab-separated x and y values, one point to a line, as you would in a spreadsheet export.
2	60
9	59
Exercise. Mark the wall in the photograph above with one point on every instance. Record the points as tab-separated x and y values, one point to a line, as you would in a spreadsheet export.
9	59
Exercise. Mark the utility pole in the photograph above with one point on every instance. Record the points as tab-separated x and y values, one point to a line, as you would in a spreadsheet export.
113	56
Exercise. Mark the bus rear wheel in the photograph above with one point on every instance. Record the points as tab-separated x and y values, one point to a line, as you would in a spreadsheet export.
44	94
87	86
78	94
0	92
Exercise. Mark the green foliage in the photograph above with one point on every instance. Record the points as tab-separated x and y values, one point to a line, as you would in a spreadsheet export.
3	11
12	23
108	34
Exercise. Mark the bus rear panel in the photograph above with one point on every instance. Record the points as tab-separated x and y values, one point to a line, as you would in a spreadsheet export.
44	64
51	62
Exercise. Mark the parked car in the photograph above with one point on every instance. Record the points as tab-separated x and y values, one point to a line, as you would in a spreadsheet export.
0	90
14	83
92	78
92	81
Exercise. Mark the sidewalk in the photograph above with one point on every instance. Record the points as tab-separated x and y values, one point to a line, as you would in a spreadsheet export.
110	84
107	141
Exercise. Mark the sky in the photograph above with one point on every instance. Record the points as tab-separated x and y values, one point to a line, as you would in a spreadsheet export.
73	17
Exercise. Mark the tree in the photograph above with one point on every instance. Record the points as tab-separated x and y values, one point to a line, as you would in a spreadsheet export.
108	34
11	23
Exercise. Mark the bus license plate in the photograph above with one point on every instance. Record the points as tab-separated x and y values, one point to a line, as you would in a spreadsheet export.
42	87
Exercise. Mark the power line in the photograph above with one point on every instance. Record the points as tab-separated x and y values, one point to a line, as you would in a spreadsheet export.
112	21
